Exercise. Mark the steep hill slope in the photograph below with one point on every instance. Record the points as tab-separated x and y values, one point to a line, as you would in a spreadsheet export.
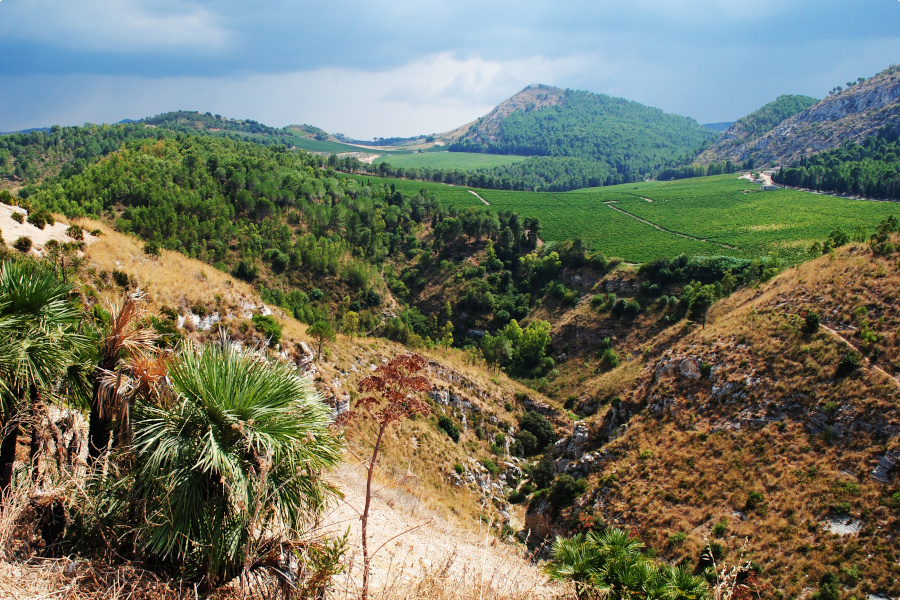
774	440
547	121
578	139
852	114
750	128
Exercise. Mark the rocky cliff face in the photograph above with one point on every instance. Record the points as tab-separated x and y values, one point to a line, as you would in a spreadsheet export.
853	114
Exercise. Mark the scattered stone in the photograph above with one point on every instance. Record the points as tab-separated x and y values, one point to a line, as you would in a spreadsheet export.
843	525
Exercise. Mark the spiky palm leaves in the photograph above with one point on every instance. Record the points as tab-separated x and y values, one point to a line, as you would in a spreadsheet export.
611	565
39	347
239	448
123	338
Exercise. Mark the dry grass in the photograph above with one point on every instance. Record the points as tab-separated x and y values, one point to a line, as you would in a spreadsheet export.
693	462
170	279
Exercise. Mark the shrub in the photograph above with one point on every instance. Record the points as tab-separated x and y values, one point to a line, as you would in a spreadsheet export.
811	322
720	528
609	359
849	363
268	327
516	497
447	425
491	466
40	218
18	217
539	427
120	278
236	429
75	232
677	539
541	473
246	271
458	468
527	442
23	244
754	501
564	490
96	233
151	248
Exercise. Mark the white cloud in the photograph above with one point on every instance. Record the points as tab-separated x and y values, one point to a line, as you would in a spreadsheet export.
120	26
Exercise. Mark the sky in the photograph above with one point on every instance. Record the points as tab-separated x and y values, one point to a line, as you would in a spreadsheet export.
408	67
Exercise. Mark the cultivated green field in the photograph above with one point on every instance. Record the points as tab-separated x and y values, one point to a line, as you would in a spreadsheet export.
707	215
463	161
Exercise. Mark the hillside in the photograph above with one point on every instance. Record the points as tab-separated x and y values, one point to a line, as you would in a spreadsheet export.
625	139
750	128
853	114
758	434
460	516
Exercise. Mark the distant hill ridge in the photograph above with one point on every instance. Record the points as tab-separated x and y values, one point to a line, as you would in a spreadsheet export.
853	114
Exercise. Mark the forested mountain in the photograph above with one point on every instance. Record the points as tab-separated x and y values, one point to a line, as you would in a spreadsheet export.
626	139
26	158
749	128
854	114
870	169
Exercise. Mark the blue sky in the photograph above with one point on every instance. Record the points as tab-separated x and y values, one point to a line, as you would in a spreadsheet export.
405	67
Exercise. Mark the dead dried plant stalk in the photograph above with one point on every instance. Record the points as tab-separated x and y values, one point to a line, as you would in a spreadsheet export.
388	402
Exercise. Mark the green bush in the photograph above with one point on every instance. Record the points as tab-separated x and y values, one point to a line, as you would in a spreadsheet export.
564	490
811	322
541	472
447	425
120	278
539	427
18	217
754	501
75	232
491	466
849	363
151	248
268	327
40	218
609	359
458	468
23	244
677	539
720	528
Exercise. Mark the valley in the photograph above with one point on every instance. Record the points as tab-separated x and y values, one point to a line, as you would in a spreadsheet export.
620	359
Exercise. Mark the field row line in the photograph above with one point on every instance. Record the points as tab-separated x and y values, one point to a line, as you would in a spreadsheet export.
652	224
486	203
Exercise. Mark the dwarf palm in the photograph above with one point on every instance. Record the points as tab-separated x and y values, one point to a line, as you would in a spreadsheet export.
39	344
683	585
239	447
574	559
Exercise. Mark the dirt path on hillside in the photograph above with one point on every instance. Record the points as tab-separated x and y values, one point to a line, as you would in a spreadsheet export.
486	203
872	365
652	224
410	539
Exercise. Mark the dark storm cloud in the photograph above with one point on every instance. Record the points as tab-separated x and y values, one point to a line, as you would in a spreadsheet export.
711	59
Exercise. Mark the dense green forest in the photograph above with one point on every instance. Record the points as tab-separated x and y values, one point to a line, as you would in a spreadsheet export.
870	169
628	138
62	151
318	243
766	118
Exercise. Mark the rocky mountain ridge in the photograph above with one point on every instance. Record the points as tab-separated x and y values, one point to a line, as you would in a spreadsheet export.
853	114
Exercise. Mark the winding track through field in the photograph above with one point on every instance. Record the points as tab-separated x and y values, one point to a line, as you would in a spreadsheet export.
486	203
652	224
